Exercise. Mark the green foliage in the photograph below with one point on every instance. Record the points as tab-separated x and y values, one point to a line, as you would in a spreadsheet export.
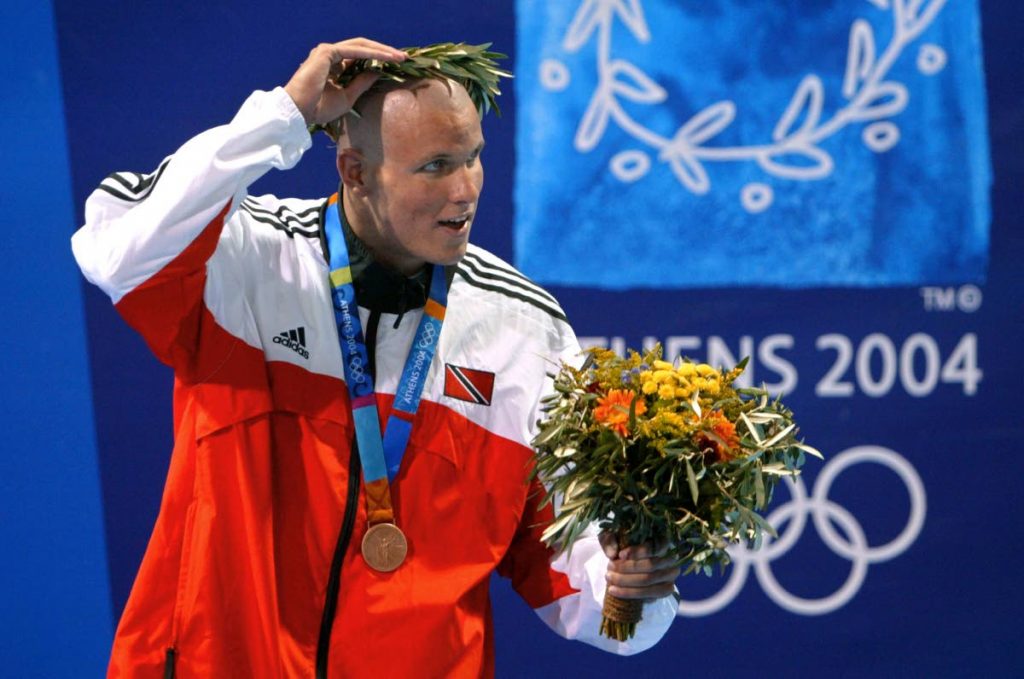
472	66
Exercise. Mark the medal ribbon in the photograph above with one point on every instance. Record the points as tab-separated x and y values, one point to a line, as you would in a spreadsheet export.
381	457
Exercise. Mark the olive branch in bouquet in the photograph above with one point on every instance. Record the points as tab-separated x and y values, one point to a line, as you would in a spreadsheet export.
657	453
474	67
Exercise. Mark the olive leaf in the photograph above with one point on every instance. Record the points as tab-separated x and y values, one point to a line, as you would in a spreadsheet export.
474	67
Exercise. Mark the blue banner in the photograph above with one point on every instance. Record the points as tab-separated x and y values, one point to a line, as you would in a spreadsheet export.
727	143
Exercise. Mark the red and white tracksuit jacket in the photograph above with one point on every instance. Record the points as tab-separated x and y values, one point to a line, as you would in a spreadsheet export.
262	514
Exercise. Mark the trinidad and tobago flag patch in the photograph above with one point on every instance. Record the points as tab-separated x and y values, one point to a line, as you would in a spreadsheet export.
466	384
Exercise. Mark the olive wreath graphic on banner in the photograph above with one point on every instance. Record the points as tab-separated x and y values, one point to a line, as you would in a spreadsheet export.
819	135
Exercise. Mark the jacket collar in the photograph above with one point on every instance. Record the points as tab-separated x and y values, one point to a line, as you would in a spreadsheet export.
379	287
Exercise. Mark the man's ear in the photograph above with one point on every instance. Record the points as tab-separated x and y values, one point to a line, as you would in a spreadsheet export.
352	169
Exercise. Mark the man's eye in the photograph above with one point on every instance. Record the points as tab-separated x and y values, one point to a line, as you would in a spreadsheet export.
434	166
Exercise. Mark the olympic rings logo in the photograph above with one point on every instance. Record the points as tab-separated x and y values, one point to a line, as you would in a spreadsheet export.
824	513
356	369
428	335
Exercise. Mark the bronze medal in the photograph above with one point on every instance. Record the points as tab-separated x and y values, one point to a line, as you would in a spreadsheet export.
384	547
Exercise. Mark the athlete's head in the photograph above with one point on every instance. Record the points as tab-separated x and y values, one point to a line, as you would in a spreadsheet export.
411	170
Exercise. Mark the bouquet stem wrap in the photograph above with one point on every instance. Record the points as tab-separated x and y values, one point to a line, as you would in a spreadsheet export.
620	616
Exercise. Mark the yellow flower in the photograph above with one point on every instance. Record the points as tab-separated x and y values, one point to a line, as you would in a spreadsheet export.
687	370
649	387
666	391
674	419
705	370
662	365
663	376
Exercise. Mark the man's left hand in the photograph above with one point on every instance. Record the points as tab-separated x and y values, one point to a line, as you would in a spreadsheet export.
639	572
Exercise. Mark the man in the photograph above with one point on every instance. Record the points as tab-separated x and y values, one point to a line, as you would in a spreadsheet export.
258	565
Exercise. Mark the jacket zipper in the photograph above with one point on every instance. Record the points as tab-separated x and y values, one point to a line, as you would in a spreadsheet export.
171	652
169	664
355	471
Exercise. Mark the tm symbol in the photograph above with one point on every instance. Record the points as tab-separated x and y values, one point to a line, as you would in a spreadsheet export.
966	298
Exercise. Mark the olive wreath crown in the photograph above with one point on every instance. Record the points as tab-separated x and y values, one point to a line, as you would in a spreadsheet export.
472	66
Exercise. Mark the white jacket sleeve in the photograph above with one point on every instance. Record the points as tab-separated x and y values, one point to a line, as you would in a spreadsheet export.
135	225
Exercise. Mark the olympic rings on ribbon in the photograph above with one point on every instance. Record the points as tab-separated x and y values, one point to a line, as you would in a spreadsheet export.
793	516
429	335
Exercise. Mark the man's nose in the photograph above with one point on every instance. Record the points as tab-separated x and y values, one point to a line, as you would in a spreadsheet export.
465	185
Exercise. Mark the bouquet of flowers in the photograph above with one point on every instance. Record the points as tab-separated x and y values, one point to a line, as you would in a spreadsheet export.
662	453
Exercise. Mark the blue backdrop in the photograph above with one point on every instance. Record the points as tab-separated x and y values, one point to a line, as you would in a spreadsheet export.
673	172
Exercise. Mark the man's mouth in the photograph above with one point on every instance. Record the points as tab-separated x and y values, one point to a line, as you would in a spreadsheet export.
455	223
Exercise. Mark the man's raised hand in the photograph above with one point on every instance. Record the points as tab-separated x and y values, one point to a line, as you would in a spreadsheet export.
316	96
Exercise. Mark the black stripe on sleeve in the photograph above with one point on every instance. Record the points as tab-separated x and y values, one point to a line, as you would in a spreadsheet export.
289	229
501	267
136	192
150	180
467	275
117	194
119	178
307	217
504	276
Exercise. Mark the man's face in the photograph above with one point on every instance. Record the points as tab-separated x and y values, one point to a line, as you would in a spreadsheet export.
420	187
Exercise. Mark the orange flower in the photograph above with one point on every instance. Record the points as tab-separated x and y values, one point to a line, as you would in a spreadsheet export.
719	437
613	410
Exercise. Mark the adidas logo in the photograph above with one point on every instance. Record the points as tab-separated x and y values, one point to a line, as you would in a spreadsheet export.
294	340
